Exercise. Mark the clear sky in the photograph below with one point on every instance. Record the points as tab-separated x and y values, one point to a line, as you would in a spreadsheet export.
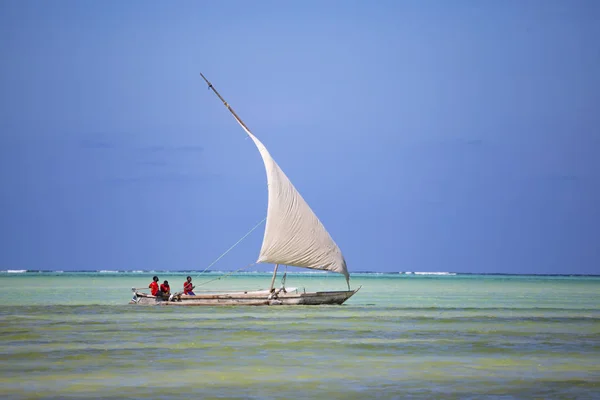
426	135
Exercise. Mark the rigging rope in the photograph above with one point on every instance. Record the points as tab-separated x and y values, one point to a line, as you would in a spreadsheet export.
235	244
226	275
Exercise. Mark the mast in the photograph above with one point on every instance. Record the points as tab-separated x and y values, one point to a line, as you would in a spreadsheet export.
210	86
273	279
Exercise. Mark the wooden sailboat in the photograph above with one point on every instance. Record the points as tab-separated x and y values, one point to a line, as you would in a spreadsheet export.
293	236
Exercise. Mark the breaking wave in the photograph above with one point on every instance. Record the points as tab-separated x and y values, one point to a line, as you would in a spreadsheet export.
433	273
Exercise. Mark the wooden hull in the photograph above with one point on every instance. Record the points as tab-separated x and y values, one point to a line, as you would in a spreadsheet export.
249	298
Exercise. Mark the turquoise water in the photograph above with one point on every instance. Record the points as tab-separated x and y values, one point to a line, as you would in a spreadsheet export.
464	336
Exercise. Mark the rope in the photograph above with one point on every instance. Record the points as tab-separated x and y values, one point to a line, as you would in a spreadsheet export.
235	244
226	275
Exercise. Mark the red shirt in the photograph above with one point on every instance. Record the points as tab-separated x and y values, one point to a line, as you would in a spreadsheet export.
153	288
187	287
165	288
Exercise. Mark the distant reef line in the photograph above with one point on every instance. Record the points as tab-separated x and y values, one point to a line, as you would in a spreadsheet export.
320	273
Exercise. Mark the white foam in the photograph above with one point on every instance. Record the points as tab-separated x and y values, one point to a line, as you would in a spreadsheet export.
435	273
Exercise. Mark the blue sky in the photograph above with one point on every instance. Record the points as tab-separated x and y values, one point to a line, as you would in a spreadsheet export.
427	136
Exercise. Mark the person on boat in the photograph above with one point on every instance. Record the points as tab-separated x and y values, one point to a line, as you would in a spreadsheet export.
165	289
154	289
188	287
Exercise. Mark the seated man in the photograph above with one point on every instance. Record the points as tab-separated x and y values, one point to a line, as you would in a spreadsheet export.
154	290
165	289
188	287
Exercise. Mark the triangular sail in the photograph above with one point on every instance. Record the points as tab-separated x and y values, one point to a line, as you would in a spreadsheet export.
293	235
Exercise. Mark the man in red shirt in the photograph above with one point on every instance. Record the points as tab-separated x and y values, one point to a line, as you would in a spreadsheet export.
165	288
188	287
154	287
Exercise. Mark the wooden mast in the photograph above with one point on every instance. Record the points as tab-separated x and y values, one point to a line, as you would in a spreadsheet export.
210	86
273	279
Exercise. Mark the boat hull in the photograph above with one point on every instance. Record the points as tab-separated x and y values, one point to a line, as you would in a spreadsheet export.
249	298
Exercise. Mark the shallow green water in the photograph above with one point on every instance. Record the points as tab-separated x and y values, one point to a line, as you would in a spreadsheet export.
74	335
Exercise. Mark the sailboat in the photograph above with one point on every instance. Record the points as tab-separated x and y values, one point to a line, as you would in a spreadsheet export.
293	236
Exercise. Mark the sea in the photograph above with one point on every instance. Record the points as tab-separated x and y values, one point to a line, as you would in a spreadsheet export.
74	335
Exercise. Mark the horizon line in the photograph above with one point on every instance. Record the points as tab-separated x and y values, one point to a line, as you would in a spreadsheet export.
408	273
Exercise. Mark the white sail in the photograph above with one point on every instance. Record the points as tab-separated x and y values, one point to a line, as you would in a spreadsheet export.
293	235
